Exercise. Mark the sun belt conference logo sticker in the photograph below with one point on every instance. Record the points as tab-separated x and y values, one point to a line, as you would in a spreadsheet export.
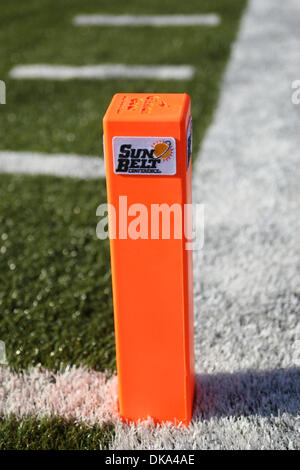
144	155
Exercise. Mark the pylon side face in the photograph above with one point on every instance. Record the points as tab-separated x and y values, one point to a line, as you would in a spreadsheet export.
147	159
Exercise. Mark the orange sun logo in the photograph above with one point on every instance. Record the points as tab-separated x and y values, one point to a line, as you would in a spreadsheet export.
162	149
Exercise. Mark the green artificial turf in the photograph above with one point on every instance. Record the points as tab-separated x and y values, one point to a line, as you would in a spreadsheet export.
52	434
55	284
52	116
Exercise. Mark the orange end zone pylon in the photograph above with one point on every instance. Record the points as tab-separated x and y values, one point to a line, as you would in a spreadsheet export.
147	146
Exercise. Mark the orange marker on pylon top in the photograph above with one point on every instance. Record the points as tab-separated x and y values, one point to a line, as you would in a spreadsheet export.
147	142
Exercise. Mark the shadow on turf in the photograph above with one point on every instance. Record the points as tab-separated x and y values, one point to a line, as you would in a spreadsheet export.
263	393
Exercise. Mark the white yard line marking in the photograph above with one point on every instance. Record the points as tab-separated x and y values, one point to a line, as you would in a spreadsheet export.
147	20
77	393
102	72
62	165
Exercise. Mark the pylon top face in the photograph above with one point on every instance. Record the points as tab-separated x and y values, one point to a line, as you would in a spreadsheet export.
147	107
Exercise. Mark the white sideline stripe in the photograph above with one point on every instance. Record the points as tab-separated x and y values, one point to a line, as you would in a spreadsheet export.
63	165
247	277
77	393
210	19
102	72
